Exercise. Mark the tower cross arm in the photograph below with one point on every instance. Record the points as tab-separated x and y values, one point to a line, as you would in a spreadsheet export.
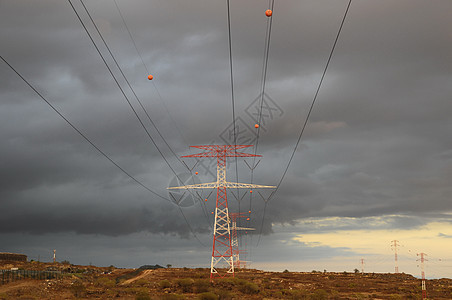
222	151
195	186
226	154
237	185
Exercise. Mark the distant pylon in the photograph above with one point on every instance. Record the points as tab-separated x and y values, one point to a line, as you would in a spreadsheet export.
54	255
424	289
222	255
234	240
362	265
394	245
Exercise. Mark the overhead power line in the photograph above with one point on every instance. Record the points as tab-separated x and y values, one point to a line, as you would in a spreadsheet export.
232	92
264	70
133	91
122	91
200	199
148	72
81	133
130	86
94	145
128	83
310	108
271	4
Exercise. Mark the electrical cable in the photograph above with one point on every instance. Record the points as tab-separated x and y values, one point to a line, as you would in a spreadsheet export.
136	96
311	107
138	100
81	133
200	199
147	114
264	72
232	93
147	73
271	4
119	86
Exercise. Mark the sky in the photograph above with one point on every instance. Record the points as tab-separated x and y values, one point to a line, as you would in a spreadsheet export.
374	164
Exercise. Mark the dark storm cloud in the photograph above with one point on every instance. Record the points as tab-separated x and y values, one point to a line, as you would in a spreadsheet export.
377	142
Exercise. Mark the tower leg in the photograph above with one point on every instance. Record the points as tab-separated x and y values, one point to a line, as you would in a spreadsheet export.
222	263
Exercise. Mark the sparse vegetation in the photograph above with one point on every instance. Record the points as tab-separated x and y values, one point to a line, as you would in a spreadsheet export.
143	295
208	296
249	288
224	295
186	284
105	282
164	284
319	294
78	289
90	282
201	285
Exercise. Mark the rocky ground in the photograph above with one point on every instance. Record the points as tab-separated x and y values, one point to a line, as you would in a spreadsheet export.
90	282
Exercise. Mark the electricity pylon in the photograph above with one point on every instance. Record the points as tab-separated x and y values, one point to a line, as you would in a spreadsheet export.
362	265
394	245
424	289
222	254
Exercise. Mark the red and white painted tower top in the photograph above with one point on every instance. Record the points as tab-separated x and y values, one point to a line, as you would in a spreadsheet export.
221	152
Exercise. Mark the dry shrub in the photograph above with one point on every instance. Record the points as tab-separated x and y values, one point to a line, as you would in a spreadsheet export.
143	295
201	286
186	284
207	296
224	295
249	288
319	295
78	289
105	282
164	284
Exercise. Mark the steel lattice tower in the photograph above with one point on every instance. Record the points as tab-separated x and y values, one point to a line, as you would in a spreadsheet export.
424	289
222	254
394	245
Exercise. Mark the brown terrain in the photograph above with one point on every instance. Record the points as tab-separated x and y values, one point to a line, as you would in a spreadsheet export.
90	282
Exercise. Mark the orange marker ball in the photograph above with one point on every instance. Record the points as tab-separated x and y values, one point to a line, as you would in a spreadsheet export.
212	213
251	191
205	200
247	219
256	126
249	211
196	173
150	77
268	12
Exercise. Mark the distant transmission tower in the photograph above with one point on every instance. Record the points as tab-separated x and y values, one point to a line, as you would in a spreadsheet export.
234	240
362	265
222	254
422	259
394	245
54	255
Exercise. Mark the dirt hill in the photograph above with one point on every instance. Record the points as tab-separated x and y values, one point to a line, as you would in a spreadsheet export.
65	281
